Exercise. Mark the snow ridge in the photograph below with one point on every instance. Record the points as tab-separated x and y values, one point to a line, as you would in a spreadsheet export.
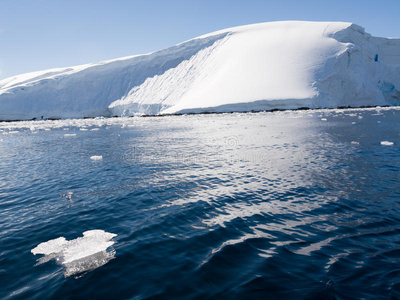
284	65
88	90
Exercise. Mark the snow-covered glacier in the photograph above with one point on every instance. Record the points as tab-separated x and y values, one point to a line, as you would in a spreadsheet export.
276	65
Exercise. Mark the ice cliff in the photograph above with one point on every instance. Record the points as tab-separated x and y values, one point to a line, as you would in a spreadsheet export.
284	65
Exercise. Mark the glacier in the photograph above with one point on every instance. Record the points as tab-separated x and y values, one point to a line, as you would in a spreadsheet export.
274	65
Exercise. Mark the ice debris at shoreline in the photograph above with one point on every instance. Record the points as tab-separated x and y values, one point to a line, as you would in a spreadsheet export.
78	255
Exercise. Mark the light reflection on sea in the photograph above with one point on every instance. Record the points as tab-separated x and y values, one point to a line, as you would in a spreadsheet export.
248	205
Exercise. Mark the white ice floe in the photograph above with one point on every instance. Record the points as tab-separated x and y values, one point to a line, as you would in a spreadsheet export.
68	195
264	66
387	143
70	134
96	157
79	255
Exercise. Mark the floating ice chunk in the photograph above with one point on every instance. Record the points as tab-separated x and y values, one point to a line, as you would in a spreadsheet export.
323	119
49	247
68	195
70	134
83	129
387	143
355	143
95	129
96	157
81	254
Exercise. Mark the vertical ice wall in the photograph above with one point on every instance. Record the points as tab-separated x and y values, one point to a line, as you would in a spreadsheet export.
366	73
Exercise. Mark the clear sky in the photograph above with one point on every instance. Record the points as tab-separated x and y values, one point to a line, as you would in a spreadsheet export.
43	34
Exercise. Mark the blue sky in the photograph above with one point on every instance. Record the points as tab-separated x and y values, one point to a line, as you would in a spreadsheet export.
42	34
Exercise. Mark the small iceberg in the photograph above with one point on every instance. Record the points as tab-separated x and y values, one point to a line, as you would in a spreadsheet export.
80	255
96	157
68	195
387	143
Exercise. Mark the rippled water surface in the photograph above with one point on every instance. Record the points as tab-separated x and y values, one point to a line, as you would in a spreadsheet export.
298	205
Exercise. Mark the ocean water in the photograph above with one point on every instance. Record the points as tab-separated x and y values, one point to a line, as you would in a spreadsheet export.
288	205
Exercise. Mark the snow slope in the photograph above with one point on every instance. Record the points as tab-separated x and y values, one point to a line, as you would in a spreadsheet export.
283	65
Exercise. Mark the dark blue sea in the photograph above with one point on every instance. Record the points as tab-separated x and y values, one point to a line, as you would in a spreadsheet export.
270	205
